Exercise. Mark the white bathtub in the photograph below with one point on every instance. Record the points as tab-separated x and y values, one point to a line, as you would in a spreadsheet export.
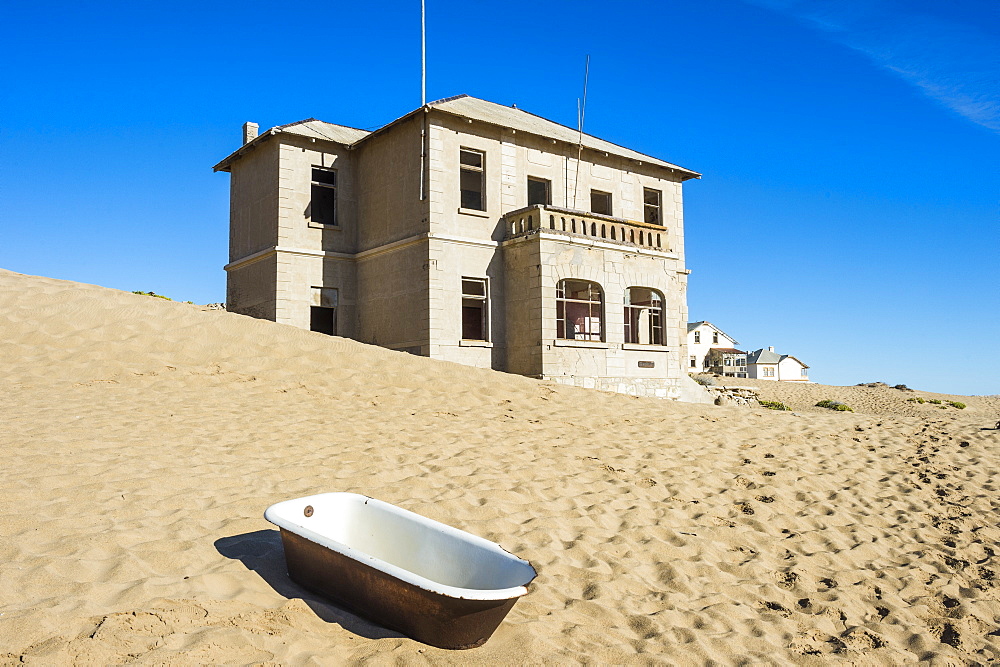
437	584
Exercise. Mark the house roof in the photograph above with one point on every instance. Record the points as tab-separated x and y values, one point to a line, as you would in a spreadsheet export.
694	325
470	108
763	356
727	350
310	127
518	119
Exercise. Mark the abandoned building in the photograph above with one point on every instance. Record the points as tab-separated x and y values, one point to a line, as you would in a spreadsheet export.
471	232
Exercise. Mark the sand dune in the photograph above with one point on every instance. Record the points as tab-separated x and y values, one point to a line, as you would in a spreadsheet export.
143	439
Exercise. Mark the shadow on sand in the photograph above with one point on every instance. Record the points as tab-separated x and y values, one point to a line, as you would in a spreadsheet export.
261	552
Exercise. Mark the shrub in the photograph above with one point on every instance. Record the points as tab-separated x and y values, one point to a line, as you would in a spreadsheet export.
834	405
158	296
774	405
934	401
957	404
915	400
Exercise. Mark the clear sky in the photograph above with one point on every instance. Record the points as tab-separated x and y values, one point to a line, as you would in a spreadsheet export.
848	213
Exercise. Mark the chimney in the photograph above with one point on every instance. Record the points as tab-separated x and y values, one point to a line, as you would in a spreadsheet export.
770	348
249	132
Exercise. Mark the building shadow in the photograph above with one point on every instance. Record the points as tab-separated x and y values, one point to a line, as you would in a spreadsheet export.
262	553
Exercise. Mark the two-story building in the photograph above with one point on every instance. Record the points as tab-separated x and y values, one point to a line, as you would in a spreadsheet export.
471	232
702	338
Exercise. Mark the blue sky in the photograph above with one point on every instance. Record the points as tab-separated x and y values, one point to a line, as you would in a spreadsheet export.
848	213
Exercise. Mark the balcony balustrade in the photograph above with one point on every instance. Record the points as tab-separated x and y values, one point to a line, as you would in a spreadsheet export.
531	219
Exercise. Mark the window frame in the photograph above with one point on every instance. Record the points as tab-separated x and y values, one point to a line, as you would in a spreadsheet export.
324	302
313	184
594	311
611	202
658	207
484	299
548	190
472	169
655	332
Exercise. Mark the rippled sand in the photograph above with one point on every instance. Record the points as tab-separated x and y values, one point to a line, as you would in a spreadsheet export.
143	440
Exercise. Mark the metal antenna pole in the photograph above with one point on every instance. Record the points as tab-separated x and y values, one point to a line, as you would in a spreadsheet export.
423	54
581	111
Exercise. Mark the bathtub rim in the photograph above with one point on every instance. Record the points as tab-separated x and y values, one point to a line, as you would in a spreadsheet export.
276	514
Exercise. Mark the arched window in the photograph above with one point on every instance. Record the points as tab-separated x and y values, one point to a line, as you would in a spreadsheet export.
643	316
579	310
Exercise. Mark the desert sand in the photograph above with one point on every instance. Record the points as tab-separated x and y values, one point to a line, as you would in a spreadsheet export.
143	439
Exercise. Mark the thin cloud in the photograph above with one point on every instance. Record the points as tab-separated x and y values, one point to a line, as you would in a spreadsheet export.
953	63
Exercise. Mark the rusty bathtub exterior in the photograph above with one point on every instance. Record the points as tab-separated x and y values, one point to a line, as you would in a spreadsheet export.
434	583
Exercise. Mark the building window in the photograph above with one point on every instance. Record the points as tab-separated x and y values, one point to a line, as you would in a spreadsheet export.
323	206
539	191
769	372
323	311
578	310
600	202
643	316
475	310
805	373
715	338
472	179
651	206
694	362
697	337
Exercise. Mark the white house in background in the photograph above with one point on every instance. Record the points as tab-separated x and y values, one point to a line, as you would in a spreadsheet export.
768	365
702	337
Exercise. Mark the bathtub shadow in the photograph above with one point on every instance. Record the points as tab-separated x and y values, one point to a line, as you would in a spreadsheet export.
261	552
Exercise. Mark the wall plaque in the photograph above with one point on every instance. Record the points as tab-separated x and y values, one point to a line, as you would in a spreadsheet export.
646	364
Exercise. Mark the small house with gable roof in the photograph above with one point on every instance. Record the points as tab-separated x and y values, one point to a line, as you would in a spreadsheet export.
768	365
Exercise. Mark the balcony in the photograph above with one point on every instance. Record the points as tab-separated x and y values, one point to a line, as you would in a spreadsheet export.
582	224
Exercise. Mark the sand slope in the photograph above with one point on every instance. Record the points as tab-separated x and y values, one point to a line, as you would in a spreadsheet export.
143	439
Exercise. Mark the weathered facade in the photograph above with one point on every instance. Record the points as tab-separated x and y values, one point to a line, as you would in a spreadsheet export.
471	232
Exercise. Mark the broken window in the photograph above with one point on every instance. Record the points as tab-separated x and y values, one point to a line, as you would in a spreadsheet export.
579	307
475	300
472	179
539	191
323	311
323	206
643	316
600	202
651	206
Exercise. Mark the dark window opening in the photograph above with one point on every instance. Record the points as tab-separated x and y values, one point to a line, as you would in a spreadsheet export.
323	205
579	308
475	301
471	179
715	337
651	206
600	202
323	320
539	191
